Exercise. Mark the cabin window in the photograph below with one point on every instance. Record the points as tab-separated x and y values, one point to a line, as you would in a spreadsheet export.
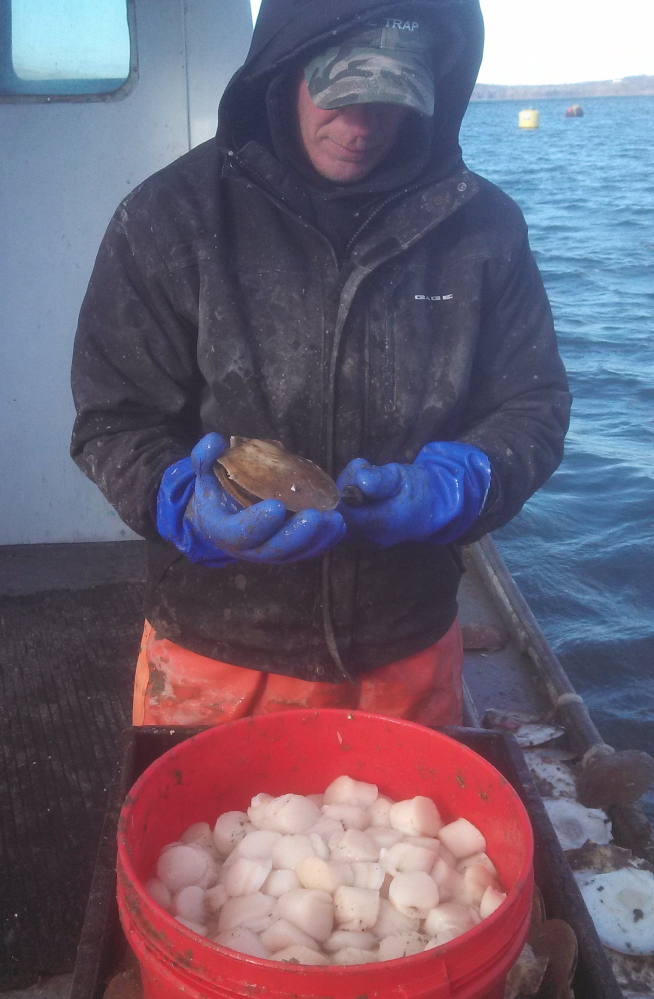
65	49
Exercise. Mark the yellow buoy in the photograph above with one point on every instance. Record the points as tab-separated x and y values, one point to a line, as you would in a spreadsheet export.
530	118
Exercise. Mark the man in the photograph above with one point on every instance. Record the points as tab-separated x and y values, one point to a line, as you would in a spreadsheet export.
326	273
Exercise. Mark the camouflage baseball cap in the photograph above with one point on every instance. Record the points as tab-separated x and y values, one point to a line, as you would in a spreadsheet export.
384	62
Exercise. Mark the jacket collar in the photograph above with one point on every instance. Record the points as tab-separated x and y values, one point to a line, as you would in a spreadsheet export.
398	221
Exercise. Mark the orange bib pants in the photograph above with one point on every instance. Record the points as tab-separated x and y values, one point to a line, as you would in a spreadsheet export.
176	687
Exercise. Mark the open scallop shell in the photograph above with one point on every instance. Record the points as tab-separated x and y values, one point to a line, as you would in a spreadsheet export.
252	470
621	904
575	824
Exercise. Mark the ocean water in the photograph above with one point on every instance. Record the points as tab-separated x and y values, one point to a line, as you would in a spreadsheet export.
582	549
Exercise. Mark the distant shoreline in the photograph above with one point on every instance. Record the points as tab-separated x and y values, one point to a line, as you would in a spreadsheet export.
630	86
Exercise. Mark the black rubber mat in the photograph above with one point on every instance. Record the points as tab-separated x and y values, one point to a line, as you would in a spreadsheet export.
66	669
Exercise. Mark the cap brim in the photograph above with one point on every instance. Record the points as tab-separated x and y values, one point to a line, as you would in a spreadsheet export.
372	76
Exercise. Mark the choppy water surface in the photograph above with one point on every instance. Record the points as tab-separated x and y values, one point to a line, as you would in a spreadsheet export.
582	550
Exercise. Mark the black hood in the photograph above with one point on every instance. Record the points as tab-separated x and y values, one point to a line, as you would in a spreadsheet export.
288	32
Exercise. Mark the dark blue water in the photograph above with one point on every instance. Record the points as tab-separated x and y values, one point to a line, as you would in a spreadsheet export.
582	550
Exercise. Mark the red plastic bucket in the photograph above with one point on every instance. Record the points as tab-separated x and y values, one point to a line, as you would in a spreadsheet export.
303	751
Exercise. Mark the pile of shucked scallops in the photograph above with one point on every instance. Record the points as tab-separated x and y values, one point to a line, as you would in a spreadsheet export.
341	878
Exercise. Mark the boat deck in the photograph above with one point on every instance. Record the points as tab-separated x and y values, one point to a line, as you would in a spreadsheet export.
502	679
70	623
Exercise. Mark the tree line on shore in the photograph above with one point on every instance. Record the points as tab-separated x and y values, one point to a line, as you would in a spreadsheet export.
630	86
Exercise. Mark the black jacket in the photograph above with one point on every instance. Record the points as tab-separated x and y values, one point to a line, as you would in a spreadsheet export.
216	304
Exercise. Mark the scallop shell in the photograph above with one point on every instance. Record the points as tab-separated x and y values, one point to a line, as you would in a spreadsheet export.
575	824
621	904
615	779
252	470
555	941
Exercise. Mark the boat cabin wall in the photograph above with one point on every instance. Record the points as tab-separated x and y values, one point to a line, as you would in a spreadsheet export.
67	159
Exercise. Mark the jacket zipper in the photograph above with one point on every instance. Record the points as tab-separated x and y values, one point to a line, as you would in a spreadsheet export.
348	291
272	193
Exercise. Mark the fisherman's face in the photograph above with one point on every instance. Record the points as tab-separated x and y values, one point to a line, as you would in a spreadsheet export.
345	144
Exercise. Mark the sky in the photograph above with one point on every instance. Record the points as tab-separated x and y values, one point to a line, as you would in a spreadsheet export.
564	41
527	41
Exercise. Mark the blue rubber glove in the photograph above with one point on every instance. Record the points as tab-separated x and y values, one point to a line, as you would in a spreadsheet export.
203	521
439	496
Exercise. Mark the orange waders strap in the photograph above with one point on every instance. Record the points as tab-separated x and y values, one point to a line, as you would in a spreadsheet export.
176	687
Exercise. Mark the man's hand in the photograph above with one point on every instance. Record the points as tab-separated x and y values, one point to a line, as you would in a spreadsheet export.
439	496
207	525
